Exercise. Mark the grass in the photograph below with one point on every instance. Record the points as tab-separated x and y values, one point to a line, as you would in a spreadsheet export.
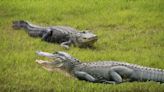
128	30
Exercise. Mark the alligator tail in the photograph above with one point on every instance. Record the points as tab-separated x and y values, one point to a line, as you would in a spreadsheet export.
150	74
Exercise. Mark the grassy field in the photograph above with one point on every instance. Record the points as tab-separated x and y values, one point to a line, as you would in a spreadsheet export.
128	30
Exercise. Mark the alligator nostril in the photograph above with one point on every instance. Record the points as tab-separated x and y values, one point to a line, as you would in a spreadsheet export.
93	38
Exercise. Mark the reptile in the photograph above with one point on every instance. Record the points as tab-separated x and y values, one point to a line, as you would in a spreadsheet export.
63	35
112	72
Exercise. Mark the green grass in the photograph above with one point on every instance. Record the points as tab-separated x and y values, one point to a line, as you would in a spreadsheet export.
128	30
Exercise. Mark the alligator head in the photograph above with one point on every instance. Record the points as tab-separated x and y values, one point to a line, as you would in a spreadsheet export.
61	61
86	38
19	24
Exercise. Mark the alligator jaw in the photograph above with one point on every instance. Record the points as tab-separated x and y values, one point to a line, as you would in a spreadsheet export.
45	54
51	68
61	61
49	65
44	64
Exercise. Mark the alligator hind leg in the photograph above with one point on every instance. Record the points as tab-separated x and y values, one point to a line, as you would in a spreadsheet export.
47	35
115	76
117	73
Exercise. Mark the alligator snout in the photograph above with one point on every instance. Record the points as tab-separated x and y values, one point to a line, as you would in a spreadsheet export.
45	54
95	38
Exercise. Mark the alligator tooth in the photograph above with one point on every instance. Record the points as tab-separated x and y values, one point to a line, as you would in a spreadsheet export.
40	61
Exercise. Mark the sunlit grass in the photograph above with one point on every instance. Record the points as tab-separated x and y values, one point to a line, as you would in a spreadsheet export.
128	30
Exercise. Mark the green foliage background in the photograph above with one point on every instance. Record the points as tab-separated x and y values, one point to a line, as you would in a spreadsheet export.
128	30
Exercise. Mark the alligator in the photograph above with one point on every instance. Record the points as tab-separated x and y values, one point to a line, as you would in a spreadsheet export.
112	72
63	35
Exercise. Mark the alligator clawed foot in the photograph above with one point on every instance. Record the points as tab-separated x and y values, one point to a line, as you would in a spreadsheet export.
65	46
109	82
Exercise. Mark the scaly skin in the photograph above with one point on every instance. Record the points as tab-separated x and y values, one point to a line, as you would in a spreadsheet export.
100	72
58	34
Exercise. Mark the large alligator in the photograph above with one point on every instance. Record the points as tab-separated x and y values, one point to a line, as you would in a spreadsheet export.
58	34
100	72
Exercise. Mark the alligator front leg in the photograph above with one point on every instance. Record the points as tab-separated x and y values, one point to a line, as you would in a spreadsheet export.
90	78
84	76
66	44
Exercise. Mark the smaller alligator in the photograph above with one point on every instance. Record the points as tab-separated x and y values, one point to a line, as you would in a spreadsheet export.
63	35
100	72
